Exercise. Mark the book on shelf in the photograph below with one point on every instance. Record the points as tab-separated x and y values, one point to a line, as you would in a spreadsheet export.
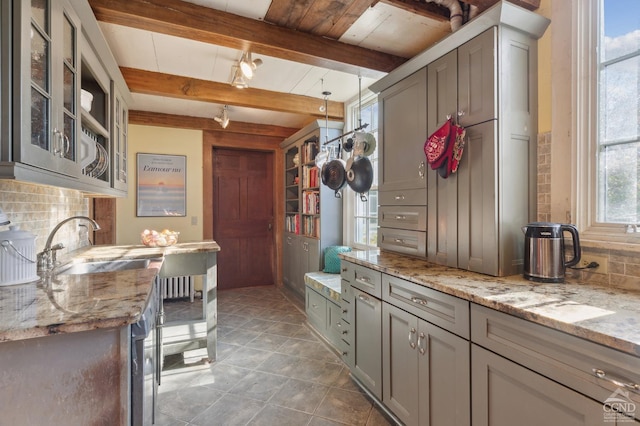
311	202
309	151
311	226
292	223
310	177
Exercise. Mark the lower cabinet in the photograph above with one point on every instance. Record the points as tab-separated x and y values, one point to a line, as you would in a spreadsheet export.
426	371
325	316
366	312
300	255
505	394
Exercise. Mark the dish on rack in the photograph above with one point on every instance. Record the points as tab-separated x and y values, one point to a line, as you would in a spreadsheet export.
101	163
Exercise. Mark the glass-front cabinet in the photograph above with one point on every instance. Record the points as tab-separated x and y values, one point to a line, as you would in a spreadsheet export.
46	76
64	101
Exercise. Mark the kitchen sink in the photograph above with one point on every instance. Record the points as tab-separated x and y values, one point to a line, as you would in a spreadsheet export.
94	267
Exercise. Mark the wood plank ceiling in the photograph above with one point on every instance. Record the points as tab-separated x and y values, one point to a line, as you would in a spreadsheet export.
302	31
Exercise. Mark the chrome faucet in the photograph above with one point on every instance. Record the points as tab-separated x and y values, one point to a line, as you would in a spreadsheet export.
47	257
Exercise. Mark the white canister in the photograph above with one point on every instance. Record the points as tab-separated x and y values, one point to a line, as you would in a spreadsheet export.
17	257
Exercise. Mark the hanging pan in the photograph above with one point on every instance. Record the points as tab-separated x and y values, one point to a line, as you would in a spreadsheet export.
360	176
334	175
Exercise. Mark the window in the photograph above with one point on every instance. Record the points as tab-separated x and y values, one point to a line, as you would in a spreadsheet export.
618	144
361	217
603	106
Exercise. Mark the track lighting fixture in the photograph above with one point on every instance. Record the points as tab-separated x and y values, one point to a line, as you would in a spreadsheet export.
223	118
237	80
248	66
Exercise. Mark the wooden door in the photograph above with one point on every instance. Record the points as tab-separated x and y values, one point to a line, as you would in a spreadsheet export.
243	217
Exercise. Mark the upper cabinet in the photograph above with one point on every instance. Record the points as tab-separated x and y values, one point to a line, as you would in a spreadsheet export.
485	77
64	82
46	78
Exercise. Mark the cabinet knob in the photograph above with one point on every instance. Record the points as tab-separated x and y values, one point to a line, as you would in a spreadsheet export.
345	331
345	353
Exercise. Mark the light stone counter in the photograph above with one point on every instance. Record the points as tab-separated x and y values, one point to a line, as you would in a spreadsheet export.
603	315
73	303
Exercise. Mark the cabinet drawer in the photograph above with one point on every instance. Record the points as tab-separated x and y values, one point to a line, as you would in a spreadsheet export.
334	323
316	309
403	217
403	241
443	310
347	353
409	197
367	280
346	270
564	358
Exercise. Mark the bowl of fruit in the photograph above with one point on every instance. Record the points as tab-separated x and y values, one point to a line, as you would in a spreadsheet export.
164	238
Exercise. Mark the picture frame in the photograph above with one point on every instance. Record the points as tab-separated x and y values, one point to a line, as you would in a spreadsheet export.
161	187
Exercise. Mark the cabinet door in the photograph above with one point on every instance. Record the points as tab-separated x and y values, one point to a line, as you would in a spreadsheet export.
444	377
47	76
504	394
366	312
477	64
290	260
442	244
400	363
403	131
477	201
120	141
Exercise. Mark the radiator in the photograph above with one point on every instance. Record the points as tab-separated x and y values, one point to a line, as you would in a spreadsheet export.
176	287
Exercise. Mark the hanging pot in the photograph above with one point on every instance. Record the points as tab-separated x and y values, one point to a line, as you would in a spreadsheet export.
334	175
360	176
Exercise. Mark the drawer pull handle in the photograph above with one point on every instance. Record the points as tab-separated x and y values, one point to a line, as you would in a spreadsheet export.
401	217
618	381
421	167
345	331
365	280
422	349
398	240
399	197
345	353
363	298
314	306
419	301
344	311
345	269
412	343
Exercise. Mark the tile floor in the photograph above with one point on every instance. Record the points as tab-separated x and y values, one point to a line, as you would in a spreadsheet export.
271	370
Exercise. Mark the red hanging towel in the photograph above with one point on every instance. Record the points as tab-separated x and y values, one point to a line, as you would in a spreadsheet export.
444	148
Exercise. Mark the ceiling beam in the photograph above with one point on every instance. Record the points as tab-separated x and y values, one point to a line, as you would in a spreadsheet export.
174	86
186	20
146	118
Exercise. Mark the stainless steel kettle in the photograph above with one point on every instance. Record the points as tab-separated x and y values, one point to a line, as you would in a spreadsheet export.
544	251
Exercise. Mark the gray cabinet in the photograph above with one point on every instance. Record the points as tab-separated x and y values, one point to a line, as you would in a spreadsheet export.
402	170
120	140
426	371
563	379
506	394
58	51
312	213
475	216
46	83
426	377
367	341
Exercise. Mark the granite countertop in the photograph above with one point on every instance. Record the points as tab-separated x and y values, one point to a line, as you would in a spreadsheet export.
603	315
72	303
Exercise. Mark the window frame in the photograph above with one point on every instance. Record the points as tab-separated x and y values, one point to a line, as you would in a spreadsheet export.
349	197
583	19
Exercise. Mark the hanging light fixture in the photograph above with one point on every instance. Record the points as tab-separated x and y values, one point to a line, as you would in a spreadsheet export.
223	118
237	79
247	65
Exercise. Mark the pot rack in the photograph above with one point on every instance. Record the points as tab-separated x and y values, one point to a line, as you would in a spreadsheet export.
360	127
364	126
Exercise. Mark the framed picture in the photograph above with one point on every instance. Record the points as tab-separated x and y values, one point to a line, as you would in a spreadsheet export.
161	185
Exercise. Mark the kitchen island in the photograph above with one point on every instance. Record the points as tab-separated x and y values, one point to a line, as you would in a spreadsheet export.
65	339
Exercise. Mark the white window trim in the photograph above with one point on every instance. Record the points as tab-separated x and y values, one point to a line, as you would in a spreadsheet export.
348	204
577	21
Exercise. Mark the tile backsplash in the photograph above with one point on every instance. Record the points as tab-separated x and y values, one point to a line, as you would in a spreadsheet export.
624	265
38	209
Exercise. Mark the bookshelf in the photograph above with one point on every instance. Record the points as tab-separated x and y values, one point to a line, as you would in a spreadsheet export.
312	213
